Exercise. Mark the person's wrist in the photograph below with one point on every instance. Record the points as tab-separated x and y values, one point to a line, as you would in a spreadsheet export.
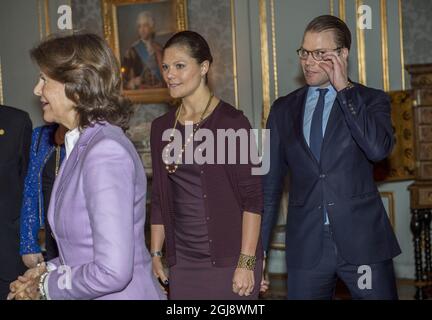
41	286
156	254
41	268
246	262
348	85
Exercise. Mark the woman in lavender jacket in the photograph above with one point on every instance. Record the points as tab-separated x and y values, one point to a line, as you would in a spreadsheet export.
97	207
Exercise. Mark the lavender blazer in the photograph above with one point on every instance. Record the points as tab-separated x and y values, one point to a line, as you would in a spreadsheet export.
97	215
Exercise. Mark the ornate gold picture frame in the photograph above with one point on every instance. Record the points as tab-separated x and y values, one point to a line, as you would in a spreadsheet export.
137	30
388	200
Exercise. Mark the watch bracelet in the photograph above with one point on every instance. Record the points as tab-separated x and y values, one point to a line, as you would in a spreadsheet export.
43	295
156	254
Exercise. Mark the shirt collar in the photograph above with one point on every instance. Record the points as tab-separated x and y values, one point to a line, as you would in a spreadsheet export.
313	90
71	138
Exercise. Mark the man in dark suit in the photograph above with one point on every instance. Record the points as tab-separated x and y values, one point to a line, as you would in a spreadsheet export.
327	135
15	138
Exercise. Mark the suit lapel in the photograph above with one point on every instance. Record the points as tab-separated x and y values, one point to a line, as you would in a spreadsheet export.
69	164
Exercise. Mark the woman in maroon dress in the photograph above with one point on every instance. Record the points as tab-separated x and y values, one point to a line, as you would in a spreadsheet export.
208	214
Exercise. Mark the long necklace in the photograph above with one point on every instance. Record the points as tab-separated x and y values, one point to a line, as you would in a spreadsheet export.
57	159
171	168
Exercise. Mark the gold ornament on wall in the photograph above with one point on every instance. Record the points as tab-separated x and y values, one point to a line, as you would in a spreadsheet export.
400	165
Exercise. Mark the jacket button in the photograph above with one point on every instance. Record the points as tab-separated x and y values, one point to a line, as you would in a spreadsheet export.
322	176
208	218
205	196
210	240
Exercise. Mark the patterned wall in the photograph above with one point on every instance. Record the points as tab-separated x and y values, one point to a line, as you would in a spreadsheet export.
212	19
87	15
417	31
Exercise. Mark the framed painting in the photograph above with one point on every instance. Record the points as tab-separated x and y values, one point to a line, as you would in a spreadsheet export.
137	31
388	200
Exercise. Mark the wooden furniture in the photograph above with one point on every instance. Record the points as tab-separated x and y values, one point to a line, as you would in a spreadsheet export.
421	189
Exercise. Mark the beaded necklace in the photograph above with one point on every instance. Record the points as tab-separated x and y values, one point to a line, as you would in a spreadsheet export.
171	168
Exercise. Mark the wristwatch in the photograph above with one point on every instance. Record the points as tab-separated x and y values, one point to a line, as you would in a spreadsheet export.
350	85
156	254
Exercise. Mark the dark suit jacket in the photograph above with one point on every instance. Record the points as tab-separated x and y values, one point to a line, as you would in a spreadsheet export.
15	138
359	132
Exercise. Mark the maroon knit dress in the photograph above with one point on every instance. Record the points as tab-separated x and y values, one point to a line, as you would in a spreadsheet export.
193	277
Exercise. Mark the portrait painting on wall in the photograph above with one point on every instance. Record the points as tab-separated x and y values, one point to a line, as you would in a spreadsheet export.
137	32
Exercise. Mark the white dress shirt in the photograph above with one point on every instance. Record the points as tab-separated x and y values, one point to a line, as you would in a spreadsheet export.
71	138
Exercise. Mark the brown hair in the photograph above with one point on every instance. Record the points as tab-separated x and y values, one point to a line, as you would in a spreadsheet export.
341	32
194	42
90	72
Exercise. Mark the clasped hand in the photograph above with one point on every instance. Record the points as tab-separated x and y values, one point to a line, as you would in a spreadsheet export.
26	286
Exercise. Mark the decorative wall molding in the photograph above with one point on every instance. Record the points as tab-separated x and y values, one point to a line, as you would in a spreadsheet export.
342	10
361	54
47	18
384	45
274	49
401	43
265	68
234	51
1	83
